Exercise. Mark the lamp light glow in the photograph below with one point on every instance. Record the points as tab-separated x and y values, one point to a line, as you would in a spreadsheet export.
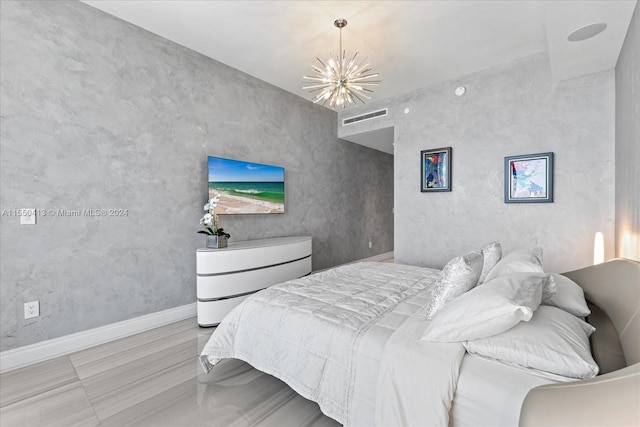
598	248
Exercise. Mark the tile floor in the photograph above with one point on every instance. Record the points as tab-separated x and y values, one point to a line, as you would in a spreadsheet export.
150	379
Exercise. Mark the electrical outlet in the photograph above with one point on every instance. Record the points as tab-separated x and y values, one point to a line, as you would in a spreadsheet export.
370	244
31	309
27	216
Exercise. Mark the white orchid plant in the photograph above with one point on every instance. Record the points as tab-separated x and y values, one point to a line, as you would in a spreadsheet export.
210	219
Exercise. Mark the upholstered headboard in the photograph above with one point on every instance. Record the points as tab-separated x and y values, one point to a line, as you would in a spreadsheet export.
612	398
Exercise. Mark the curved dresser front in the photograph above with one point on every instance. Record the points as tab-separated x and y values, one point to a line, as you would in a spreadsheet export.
227	276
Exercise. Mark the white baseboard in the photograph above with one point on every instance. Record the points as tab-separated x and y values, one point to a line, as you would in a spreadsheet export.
49	349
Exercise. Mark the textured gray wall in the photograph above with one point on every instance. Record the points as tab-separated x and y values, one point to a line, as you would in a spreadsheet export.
97	113
628	144
508	110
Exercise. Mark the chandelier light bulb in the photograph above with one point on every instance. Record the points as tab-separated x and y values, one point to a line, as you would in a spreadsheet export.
341	82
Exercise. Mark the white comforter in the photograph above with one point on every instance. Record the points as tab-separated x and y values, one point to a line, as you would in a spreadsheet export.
325	335
417	379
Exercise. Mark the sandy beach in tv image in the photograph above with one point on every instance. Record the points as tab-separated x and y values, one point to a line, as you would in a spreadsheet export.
246	188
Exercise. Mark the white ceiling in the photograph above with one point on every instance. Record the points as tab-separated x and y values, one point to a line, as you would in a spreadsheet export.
412	44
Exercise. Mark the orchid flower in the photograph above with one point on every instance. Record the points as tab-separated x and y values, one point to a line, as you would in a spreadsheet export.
210	219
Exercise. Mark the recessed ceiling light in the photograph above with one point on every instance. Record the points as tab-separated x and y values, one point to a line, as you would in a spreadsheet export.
587	32
460	90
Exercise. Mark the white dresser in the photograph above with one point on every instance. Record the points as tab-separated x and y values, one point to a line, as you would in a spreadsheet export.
225	277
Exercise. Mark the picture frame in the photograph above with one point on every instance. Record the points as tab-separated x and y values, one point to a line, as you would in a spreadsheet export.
435	170
528	178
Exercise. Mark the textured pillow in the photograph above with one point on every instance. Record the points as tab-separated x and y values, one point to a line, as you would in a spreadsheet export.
549	286
518	261
492	253
457	277
569	296
489	309
553	341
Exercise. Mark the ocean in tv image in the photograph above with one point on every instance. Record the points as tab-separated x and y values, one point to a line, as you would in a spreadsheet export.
246	188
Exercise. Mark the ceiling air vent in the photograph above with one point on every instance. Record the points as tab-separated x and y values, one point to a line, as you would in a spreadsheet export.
367	116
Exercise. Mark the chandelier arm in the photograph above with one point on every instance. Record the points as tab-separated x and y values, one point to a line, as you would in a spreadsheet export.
312	89
351	68
367	83
315	79
350	97
319	70
314	86
353	60
363	85
364	61
320	61
326	93
360	99
334	98
364	71
365	77
364	95
318	97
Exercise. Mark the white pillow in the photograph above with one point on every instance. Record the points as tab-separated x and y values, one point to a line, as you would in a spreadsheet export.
457	277
489	309
569	296
553	341
518	261
492	252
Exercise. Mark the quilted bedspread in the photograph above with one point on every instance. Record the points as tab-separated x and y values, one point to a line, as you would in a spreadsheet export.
306	332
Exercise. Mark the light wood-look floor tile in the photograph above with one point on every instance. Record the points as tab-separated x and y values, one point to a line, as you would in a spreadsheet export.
176	406
97	359
121	376
27	382
151	379
123	398
63	406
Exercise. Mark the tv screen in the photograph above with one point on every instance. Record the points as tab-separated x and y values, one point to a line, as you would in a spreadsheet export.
246	188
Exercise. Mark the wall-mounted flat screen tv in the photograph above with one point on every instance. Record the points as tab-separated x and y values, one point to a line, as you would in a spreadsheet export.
246	188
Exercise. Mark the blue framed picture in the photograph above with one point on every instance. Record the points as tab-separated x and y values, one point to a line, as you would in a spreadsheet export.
435	172
528	178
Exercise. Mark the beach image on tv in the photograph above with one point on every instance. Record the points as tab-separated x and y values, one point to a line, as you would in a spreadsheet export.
246	188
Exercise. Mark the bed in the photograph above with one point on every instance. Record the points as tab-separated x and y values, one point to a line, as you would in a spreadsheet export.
359	341
612	398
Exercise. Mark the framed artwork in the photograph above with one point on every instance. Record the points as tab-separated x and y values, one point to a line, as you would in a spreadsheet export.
435	172
528	178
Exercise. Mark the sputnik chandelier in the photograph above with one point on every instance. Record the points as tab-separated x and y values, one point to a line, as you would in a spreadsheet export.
340	82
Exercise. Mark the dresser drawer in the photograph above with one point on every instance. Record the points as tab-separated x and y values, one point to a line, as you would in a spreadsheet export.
223	285
211	313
